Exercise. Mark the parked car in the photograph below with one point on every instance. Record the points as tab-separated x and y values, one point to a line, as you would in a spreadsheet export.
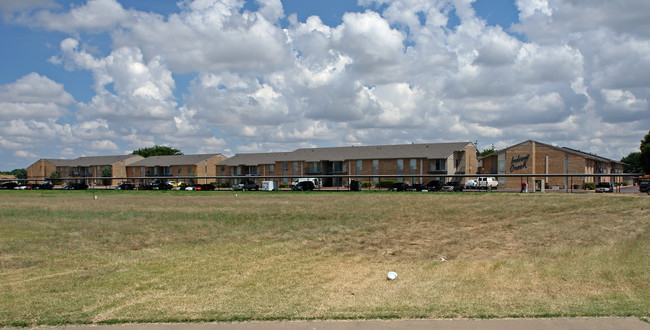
435	185
76	186
604	187
246	185
125	185
318	183
452	186
304	186
417	187
45	186
155	185
399	186
471	184
8	185
203	187
249	185
644	185
23	187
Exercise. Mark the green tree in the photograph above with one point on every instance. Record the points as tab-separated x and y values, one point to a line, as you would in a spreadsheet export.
632	163
644	157
486	152
54	177
107	172
19	173
157	151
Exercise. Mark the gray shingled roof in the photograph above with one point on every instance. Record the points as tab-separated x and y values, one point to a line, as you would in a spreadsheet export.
253	159
174	160
58	162
591	156
427	150
100	160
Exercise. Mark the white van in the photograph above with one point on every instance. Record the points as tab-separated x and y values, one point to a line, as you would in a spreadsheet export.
487	182
317	182
269	185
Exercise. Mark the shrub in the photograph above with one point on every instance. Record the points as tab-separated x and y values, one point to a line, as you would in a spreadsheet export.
385	184
107	172
590	186
366	185
54	178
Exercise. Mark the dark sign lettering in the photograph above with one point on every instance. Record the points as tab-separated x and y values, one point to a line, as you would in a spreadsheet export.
519	163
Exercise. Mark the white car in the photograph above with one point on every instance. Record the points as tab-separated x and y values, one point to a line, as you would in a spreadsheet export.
471	184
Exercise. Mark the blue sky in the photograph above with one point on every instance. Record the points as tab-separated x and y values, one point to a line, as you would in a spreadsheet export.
101	77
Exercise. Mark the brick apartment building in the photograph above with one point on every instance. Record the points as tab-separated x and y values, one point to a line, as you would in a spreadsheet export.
81	169
392	160
531	157
168	167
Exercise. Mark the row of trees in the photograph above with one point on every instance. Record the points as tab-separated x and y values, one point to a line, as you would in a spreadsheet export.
19	173
639	161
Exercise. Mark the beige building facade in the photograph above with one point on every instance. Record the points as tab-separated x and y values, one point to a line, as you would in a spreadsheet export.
177	167
82	170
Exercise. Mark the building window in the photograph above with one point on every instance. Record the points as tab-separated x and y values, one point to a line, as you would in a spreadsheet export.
314	167
189	170
271	169
375	166
413	165
437	165
285	167
337	167
295	167
400	167
179	171
359	166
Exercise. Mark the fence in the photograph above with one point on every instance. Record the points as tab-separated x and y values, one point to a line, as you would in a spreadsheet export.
614	178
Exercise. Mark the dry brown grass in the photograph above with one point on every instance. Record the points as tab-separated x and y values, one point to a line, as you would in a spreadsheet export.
67	258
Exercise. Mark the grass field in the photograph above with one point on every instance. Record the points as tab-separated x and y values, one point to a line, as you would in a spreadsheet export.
66	258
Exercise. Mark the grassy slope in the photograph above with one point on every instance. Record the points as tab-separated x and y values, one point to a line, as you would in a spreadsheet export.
172	256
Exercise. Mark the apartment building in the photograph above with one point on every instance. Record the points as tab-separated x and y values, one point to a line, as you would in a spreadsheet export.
394	162
532	157
179	167
82	169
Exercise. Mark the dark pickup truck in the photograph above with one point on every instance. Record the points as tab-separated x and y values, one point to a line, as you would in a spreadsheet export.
644	186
